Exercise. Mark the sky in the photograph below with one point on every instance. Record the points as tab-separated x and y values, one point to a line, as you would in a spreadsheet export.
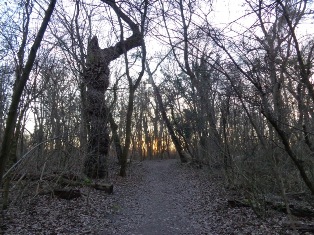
226	11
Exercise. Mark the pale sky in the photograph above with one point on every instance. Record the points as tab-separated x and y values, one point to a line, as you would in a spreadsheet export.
226	11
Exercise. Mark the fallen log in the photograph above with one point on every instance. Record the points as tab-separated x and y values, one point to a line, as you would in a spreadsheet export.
237	203
301	227
108	188
296	210
67	194
76	182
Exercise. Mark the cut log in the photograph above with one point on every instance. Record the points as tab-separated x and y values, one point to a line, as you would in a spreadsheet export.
301	227
296	210
237	203
108	188
67	194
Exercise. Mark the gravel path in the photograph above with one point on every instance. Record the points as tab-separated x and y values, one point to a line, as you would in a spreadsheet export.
158	197
159	205
173	199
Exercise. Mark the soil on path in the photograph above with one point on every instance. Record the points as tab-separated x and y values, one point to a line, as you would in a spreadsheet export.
175	199
159	204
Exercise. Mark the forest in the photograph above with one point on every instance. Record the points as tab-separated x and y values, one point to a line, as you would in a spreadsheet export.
92	89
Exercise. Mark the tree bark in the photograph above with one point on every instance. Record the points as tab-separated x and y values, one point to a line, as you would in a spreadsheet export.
96	77
115	137
128	127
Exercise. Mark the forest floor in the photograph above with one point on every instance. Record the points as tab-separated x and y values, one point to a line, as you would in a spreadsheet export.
158	197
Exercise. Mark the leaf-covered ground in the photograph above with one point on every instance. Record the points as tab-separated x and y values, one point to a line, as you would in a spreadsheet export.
158	197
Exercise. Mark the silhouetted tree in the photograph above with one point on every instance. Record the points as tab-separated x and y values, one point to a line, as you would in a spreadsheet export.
96	76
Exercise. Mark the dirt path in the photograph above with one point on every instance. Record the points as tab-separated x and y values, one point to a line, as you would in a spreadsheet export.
158	197
173	199
160	204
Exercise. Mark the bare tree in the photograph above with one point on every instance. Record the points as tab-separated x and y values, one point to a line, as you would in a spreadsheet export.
264	62
22	75
96	76
19	87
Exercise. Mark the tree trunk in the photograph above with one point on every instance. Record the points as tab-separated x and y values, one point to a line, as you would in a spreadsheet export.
18	90
19	87
96	77
285	141
175	140
127	134
115	137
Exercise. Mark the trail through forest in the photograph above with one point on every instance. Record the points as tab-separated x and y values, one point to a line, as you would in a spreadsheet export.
160	203
158	197
175	199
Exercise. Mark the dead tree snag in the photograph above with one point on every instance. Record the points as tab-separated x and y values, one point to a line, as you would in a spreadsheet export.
96	77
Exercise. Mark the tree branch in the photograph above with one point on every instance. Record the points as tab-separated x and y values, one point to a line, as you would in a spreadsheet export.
133	41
